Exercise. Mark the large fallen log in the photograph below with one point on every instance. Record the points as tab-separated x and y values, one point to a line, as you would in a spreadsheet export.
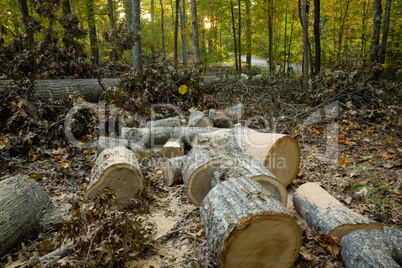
372	248
172	170
24	208
322	211
246	226
108	142
198	167
247	167
279	153
118	169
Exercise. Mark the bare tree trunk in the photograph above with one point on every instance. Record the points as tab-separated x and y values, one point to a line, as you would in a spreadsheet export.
137	57
183	35
153	26
92	32
248	36
305	43
176	33
111	13
270	31
341	31
234	34
290	39
375	43
365	11
128	9
195	31
163	30
285	40
66	7
25	18
385	31
239	36
317	39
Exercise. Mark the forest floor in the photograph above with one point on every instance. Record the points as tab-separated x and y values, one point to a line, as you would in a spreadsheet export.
348	146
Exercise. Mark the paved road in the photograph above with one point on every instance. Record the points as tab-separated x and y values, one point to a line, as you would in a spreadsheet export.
260	62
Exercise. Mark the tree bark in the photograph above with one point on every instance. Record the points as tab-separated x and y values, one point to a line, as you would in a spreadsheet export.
385	31
248	36
26	18
322	211
375	39
317	38
183	35
163	30
372	248
341	31
108	142
166	122
195	31
247	167
246	226
199	119
111	13
271	32
198	167
174	147
176	34
118	169
137	51
305	43
66	7
172	170
24	208
234	35
153	26
239	32
229	117
128	9
92	33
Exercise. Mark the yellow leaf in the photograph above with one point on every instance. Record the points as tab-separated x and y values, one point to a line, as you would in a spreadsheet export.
90	151
182	89
184	121
343	161
64	164
350	127
80	143
36	176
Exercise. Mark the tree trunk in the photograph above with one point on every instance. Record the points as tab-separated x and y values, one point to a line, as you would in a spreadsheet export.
24	208
198	167
128	9
322	211
111	13
176	34
375	42
341	32
234	34
372	248
239	37
247	167
137	56
365	11
248	36
305	43
163	30
92	33
285	40
317	39
26	18
174	147
195	31
279	153
290	41
271	37
66	7
385	31
172	170
246	226
199	119
183	35
118	169
153	27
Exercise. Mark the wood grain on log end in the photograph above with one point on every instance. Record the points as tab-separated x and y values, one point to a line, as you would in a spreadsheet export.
199	119
173	148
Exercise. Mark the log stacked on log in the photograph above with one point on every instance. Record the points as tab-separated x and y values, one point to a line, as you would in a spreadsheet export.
172	170
322	211
24	207
118	169
372	248
279	153
198	167
247	227
173	148
199	119
247	167
227	118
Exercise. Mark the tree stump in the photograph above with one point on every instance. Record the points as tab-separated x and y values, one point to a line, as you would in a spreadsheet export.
279	153
118	169
322	211
198	167
199	119
246	226
173	148
24	208
172	170
247	167
372	248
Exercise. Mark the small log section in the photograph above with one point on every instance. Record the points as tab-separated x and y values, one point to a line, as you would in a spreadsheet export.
172	170
108	142
199	119
247	167
173	148
118	169
372	248
227	118
279	153
322	211
246	226
198	167
24	208
166	122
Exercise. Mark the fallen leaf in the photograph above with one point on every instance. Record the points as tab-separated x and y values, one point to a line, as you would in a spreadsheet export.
343	161
184	121
35	157
350	127
36	176
330	244
192	109
305	256
80	143
182	89
366	139
386	155
64	165
90	151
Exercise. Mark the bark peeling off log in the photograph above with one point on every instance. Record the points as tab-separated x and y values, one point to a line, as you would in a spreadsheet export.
372	248
247	227
328	215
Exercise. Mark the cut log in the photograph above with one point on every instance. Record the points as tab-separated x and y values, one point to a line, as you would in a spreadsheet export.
24	208
173	148
227	118
198	167
172	170
246	226
166	122
107	142
62	88
372	248
118	169
247	167
236	112
279	153
140	151
199	119
322	211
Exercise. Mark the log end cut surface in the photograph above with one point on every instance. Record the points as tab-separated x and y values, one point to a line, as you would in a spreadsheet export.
268	239
274	186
